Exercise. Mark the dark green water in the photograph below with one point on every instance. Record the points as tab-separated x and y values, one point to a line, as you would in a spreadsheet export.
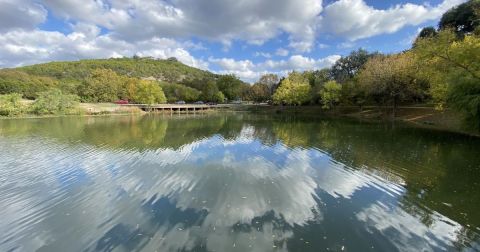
235	182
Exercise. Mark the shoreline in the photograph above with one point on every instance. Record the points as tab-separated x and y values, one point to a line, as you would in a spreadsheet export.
416	116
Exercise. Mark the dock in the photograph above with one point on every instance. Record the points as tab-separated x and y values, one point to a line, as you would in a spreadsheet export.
177	108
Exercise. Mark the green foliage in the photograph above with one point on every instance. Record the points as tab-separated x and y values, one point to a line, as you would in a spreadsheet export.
218	97
463	19
294	90
210	91
259	92
446	61
11	105
452	67
54	102
149	92
103	85
465	97
166	70
230	86
14	81
427	32
177	92
347	67
330	94
392	79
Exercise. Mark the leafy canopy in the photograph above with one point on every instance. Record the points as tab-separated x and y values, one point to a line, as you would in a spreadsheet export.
293	90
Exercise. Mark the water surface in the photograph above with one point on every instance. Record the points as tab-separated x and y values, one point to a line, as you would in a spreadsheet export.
235	182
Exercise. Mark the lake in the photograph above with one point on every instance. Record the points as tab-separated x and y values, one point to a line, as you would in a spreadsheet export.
235	182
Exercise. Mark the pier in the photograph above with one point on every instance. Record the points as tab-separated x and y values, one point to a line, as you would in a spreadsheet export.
177	108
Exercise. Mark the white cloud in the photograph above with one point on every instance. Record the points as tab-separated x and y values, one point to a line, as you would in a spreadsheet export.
354	19
282	52
30	47
164	29
253	21
323	46
262	54
250	72
20	14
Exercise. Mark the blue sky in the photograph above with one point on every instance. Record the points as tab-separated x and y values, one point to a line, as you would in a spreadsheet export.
244	37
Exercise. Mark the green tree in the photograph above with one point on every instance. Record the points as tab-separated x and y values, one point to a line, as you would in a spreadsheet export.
392	79
465	97
445	61
149	92
54	102
210	91
293	90
463	19
347	67
330	94
260	92
103	85
452	67
14	81
218	97
426	32
230	86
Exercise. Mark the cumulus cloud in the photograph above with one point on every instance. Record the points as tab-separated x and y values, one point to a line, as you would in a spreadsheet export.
249	71
20	14
282	52
162	29
354	19
220	20
30	47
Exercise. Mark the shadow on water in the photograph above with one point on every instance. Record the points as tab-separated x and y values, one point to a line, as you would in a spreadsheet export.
237	182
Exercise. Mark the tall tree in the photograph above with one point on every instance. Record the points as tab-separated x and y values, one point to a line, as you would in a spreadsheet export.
346	67
211	93
260	92
330	94
230	86
392	79
452	67
464	18
103	85
149	92
446	60
293	90
271	81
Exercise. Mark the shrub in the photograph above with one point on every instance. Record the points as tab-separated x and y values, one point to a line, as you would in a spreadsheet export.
54	102
11	105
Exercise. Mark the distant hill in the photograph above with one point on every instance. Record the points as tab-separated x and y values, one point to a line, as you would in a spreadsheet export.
107	80
170	70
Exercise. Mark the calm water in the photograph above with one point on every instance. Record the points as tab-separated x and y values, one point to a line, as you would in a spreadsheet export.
235	182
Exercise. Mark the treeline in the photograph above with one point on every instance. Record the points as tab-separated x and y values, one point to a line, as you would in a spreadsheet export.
124	79
442	67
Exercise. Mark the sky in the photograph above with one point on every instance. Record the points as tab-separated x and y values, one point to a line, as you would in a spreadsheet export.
247	38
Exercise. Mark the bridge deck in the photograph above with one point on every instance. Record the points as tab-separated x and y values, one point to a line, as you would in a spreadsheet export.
176	107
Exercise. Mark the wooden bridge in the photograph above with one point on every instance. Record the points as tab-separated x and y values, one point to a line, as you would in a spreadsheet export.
177	108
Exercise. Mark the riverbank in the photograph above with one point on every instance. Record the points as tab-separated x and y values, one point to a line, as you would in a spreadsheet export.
419	116
83	109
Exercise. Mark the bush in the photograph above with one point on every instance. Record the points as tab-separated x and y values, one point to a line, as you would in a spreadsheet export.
149	92
54	102
11	105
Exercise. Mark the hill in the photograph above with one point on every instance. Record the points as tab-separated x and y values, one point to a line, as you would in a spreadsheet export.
107	80
169	70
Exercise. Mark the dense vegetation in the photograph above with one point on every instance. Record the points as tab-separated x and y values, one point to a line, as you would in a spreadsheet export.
441	68
110	80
